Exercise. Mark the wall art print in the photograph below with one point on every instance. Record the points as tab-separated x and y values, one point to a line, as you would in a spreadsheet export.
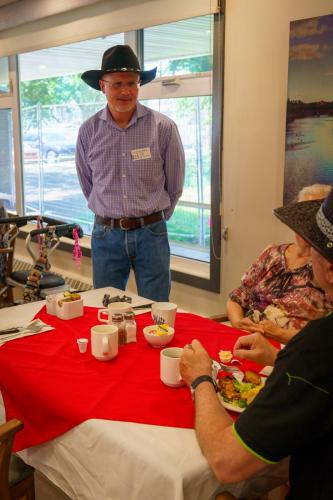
309	130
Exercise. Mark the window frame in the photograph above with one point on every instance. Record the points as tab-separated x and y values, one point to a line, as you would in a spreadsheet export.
190	86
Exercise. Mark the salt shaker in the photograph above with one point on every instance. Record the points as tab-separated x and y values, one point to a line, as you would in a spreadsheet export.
117	320
130	327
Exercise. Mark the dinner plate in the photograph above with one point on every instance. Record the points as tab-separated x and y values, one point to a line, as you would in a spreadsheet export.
229	406
232	407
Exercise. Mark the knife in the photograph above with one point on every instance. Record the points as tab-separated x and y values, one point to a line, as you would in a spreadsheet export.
143	306
11	330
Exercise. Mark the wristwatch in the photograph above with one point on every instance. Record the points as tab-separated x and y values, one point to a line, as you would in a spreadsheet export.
202	378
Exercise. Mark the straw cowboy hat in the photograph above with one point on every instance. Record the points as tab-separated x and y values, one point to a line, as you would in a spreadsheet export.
119	58
313	221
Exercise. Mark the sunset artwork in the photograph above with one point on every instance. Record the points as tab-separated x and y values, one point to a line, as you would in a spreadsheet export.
309	127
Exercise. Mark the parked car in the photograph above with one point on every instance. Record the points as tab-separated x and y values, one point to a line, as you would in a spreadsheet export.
30	153
51	143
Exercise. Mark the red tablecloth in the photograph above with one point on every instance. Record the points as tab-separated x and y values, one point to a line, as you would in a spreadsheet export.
51	387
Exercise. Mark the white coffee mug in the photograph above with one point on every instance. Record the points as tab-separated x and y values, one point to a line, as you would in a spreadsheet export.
169	366
104	342
164	312
114	307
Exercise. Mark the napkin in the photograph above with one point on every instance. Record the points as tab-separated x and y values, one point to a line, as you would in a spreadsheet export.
38	325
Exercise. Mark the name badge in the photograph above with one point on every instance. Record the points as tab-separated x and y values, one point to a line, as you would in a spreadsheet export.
140	154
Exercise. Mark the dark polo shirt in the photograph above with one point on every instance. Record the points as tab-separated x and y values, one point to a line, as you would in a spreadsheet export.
293	414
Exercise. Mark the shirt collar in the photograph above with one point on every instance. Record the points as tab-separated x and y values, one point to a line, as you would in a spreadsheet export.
139	113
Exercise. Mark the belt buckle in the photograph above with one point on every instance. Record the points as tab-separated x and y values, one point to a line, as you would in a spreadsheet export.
123	224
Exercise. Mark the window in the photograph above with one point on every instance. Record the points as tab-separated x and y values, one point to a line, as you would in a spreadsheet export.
183	51
8	127
4	76
7	172
54	102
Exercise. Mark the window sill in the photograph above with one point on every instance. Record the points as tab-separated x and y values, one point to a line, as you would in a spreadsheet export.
178	264
188	271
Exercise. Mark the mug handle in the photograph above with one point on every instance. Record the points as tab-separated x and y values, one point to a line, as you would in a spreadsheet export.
99	314
106	346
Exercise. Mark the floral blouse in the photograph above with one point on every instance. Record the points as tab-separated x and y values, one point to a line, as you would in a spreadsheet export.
293	292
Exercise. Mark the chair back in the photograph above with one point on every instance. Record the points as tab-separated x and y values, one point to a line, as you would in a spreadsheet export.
9	230
7	434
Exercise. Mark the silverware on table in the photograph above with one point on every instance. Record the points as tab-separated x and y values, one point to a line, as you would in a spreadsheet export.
143	306
33	327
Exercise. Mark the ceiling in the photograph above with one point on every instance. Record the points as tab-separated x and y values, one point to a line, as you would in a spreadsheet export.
191	37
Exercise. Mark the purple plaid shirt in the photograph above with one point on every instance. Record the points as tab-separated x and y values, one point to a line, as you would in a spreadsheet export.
130	172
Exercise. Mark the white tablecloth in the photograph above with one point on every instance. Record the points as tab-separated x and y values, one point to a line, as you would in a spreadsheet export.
108	460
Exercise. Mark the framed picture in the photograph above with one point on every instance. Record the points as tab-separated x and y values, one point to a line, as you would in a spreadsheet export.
309	129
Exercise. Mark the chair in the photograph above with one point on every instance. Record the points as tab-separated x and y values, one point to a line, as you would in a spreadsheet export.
9	230
219	318
38	281
225	496
16	477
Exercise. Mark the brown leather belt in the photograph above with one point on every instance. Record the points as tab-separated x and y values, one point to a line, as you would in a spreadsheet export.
129	223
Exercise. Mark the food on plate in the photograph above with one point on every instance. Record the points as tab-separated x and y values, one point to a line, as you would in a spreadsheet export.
225	356
236	393
252	377
252	393
69	297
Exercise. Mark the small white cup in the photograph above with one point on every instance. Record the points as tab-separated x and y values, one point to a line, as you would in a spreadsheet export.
82	344
114	307
164	312
169	366
104	342
51	303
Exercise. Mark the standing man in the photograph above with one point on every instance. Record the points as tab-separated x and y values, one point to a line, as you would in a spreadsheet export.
293	414
130	163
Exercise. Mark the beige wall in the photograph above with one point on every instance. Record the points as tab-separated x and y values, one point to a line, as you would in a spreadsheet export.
256	74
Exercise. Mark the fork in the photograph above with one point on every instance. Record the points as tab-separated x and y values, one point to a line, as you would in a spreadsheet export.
227	368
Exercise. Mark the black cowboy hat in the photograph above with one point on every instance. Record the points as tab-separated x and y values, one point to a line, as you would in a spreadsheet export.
313	221
119	58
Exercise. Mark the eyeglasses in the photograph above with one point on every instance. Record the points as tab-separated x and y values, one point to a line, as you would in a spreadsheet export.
122	85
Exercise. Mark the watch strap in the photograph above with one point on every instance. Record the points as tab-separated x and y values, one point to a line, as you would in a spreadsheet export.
203	378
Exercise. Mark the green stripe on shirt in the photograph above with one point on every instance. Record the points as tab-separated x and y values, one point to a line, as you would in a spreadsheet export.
249	449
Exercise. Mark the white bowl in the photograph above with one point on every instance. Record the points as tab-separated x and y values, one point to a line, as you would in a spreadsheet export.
158	340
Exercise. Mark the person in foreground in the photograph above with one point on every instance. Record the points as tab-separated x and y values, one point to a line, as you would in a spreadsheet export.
293	414
130	163
278	295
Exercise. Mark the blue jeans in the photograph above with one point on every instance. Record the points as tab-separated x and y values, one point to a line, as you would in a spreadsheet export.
145	250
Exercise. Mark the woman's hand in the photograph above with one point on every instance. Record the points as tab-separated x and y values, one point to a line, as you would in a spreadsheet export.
238	320
273	331
256	348
248	325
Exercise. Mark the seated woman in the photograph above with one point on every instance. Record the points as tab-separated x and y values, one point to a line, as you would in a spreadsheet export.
278	294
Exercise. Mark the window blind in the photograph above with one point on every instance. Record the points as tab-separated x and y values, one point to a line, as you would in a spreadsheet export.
103	18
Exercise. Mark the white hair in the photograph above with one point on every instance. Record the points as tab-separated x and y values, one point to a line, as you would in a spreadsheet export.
314	192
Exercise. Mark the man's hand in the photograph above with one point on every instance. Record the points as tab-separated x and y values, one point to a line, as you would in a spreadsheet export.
256	348
248	325
194	362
